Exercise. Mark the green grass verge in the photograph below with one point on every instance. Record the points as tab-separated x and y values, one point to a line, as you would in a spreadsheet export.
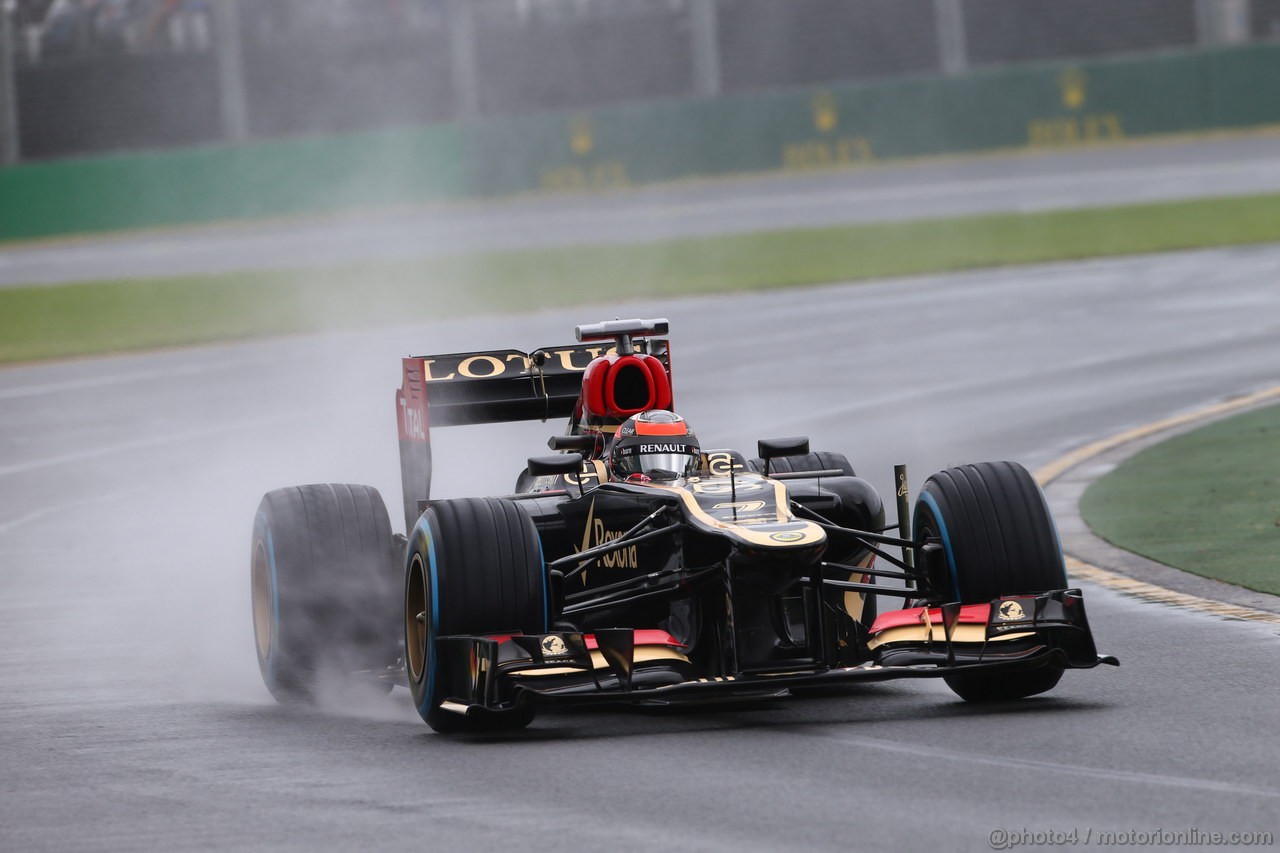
83	319
1207	502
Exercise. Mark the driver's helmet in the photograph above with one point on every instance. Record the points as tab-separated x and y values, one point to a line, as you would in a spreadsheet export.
654	445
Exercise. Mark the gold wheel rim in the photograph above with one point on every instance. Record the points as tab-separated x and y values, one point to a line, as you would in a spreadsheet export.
263	612
415	602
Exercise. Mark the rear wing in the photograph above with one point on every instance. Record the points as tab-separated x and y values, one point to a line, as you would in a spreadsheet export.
493	386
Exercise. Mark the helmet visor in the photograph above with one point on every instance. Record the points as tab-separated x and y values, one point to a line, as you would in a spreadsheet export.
659	460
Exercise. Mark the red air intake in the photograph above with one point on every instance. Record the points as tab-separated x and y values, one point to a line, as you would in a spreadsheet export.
619	386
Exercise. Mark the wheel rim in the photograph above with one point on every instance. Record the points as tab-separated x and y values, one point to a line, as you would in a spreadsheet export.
263	612
415	602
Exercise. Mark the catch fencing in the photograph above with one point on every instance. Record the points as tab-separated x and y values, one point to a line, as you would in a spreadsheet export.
80	77
1042	105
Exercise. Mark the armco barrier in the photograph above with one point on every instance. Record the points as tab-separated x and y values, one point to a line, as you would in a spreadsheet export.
1027	106
1030	106
279	178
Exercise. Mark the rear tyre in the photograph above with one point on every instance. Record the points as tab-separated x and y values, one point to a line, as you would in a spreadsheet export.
820	460
324	588
474	567
998	539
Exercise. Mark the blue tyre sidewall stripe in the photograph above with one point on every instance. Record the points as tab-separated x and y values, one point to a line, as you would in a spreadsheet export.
546	593
426	546
946	541
275	601
422	534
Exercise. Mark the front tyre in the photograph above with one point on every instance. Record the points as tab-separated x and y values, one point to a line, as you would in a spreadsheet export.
323	586
998	539
474	567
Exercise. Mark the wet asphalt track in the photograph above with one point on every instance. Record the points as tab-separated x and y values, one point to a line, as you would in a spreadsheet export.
132	715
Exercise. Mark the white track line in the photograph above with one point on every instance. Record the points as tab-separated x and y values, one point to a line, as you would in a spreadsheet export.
139	444
1009	762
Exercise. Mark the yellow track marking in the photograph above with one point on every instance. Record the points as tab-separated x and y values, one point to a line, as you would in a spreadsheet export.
1056	468
1080	570
1121	583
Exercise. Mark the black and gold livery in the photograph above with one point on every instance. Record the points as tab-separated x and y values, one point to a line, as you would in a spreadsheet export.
635	565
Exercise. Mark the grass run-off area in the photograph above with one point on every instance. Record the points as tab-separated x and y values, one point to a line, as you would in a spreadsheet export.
1206	502
111	316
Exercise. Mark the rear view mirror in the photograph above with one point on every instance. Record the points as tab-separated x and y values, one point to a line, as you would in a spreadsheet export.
559	464
573	442
772	448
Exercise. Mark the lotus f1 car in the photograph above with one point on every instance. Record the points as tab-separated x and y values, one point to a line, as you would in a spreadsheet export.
598	582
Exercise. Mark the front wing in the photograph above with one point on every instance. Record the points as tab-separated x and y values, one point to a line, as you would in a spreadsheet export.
622	665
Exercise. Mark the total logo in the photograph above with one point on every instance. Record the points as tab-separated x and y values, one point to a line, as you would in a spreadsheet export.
412	424
1011	611
553	646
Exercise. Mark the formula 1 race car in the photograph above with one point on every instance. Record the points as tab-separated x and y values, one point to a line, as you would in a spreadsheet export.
633	565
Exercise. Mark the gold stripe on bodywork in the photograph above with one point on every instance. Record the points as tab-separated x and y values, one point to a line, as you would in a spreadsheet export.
854	602
811	534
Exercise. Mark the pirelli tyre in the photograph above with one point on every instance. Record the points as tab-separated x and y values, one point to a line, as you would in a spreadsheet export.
324	575
998	538
819	460
474	567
